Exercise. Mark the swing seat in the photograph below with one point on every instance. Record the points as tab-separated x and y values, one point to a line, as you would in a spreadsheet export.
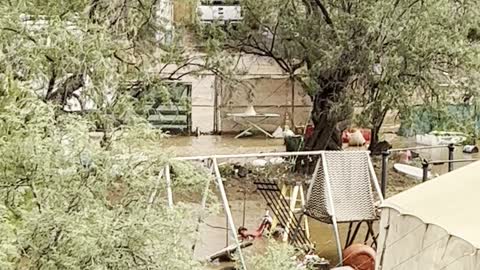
350	180
342	191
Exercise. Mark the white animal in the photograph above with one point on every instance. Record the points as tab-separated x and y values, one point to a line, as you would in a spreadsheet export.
356	139
287	132
259	162
276	160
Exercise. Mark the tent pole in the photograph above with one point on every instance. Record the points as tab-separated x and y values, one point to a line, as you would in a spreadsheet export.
374	179
227	211
204	205
169	186
334	218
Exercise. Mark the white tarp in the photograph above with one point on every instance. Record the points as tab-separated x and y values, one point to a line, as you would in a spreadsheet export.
434	225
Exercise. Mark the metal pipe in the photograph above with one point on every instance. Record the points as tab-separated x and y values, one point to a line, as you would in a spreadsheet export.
384	180
244	206
292	118
228	213
374	180
256	155
348	234
226	231
451	148
425	170
440	162
418	148
169	186
204	205
334	218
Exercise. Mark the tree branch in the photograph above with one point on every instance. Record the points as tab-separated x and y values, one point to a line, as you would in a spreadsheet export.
19	33
325	13
93	7
52	80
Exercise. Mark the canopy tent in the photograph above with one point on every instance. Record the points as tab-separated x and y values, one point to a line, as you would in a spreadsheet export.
434	225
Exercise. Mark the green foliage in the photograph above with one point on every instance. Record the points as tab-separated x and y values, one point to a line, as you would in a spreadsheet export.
379	55
68	200
69	203
423	119
278	256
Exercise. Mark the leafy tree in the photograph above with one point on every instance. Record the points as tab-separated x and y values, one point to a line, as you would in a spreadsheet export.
68	203
68	200
381	55
280	256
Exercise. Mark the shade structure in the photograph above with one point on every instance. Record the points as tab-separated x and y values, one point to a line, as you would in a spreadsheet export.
341	190
434	225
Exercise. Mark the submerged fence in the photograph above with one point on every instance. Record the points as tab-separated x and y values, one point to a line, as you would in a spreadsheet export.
425	163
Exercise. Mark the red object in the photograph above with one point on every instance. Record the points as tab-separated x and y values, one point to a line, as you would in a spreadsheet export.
367	134
345	136
244	234
309	131
359	257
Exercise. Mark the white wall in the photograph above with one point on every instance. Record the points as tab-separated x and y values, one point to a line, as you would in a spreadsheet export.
203	86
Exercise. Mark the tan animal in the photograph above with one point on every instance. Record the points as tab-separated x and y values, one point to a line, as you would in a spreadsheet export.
356	138
404	157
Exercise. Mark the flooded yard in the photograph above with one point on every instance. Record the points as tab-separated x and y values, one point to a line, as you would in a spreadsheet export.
214	233
210	145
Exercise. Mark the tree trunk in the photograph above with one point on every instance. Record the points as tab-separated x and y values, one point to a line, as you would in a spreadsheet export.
331	113
374	138
375	146
325	136
66	90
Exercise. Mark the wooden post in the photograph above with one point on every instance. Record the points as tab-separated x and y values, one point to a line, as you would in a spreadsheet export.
305	220
292	118
292	194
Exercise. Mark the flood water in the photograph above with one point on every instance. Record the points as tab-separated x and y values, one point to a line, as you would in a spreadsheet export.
210	145
214	234
435	154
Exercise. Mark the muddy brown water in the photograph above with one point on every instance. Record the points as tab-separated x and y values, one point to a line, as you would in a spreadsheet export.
209	145
213	234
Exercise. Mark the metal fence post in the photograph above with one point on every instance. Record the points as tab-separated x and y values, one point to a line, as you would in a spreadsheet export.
451	149
384	180
425	170
228	212
169	186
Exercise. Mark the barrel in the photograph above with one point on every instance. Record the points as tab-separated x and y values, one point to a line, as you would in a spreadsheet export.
294	143
359	257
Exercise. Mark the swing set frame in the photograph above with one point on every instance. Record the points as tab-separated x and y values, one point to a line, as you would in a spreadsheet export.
212	164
